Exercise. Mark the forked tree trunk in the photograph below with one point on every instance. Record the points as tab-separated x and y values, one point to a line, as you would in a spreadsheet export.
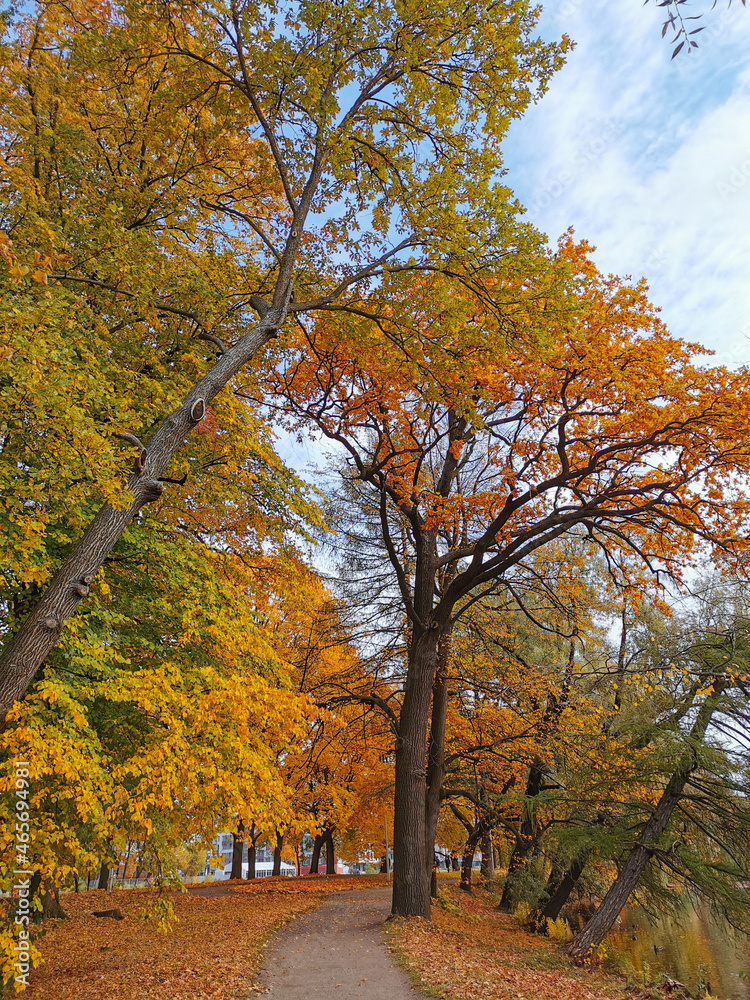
411	874
528	835
525	841
238	843
595	930
50	898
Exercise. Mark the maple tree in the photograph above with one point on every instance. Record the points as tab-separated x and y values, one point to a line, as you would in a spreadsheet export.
333	110
338	774
478	448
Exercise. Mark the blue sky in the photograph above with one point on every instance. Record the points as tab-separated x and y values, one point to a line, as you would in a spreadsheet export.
648	158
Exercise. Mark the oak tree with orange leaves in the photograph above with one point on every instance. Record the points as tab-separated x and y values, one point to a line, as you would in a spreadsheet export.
492	432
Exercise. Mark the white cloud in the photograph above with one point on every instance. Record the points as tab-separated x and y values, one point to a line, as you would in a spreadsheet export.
649	159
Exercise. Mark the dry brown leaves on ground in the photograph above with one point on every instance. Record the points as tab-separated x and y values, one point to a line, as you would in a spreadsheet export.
213	951
309	884
472	952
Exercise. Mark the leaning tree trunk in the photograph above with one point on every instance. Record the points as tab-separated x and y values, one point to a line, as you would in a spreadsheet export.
315	859
330	855
40	631
411	873
609	908
238	843
563	888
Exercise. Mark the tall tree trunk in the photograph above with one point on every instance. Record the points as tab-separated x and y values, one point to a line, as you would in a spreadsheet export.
411	874
238	842
277	853
317	845
436	754
330	855
609	908
103	876
40	631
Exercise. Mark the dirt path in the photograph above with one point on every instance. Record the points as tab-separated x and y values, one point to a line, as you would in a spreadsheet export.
336	952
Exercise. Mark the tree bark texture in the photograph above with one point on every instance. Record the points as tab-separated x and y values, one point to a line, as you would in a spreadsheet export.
251	854
468	860
487	868
436	751
411	873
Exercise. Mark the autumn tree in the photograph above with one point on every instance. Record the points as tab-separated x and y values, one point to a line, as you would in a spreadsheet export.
339	774
477	448
702	656
378	127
